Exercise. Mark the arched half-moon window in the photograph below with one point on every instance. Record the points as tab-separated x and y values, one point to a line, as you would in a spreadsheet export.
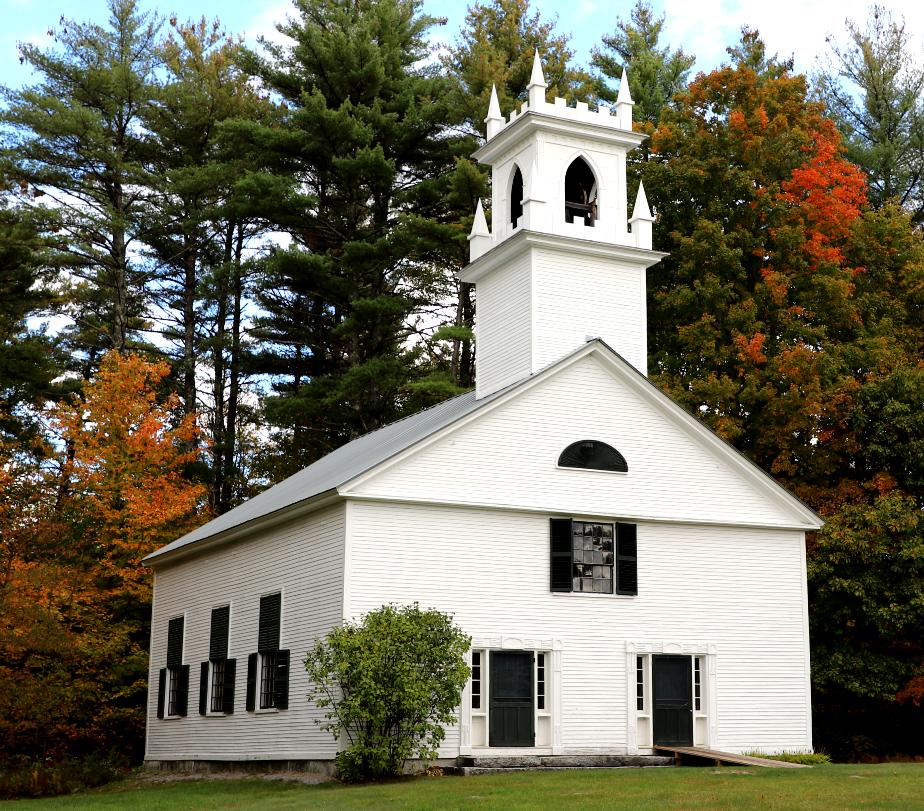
591	454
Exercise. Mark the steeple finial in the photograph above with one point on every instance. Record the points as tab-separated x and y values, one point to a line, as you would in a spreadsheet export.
536	87
495	120
641	220
624	103
479	239
480	224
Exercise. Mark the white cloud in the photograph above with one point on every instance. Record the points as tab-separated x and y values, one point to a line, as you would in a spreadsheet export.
795	28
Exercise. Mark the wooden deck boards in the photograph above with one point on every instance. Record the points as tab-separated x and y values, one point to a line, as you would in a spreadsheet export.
680	752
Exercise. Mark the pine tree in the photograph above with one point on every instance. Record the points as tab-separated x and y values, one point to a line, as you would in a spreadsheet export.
355	173
874	87
656	74
77	138
29	360
197	231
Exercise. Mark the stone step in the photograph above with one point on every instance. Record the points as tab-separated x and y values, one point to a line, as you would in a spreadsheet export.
564	762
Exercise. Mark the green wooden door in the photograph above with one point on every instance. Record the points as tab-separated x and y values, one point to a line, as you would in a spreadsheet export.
512	707
672	693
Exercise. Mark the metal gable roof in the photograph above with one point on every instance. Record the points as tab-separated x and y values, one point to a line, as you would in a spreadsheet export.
338	467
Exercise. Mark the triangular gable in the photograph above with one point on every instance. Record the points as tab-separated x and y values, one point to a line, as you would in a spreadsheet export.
504	455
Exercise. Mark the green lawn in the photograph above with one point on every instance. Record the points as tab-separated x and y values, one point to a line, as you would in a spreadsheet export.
830	788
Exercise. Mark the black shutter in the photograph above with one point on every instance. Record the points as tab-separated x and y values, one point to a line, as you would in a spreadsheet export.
626	559
203	688
560	554
270	609
161	691
175	642
182	689
282	680
251	682
227	697
218	638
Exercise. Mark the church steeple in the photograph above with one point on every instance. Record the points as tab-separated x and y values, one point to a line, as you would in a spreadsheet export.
562	260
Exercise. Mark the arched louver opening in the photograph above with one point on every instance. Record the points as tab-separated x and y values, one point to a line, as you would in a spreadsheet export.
580	193
516	197
591	454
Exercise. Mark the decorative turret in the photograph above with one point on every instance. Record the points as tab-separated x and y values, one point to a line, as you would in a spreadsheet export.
624	103
559	261
536	88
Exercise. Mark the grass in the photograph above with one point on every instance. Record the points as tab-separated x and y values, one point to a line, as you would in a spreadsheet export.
831	788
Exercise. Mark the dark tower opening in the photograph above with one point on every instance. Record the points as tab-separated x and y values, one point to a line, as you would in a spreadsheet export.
516	197
580	192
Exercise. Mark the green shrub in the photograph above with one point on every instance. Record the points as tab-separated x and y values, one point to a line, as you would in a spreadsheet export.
21	777
391	681
809	759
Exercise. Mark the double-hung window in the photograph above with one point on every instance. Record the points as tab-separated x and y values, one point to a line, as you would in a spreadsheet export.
173	684
216	676
268	668
593	557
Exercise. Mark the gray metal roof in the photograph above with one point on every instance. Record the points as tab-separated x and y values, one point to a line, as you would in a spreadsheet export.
338	467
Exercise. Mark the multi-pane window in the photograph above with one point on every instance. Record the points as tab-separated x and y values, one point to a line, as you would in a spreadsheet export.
218	686
476	680
640	683
173	691
268	668
592	557
173	687
221	695
267	680
697	683
540	681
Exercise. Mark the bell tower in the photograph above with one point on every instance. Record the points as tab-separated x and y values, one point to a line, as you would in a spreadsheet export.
562	261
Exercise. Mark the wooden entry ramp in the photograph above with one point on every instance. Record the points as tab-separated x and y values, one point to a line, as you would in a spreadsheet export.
698	753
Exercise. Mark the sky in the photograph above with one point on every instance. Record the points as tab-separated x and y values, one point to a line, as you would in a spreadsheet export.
701	27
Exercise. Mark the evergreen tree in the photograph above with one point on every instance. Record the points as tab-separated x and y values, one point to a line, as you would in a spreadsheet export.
28	357
77	137
656	74
197	231
874	87
355	171
496	48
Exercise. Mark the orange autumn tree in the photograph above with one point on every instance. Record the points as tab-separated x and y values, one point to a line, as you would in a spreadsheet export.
124	477
74	598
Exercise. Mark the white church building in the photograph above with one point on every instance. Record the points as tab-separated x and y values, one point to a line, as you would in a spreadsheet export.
628	578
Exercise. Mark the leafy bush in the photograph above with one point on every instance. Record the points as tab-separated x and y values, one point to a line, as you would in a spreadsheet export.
809	759
391	681
21	777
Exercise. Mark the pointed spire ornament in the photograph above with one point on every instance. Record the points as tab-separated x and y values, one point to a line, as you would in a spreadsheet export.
642	220
536	87
641	211
495	120
479	224
624	103
479	239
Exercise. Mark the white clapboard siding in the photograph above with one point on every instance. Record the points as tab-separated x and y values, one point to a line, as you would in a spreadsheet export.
303	559
503	326
586	297
508	456
741	591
